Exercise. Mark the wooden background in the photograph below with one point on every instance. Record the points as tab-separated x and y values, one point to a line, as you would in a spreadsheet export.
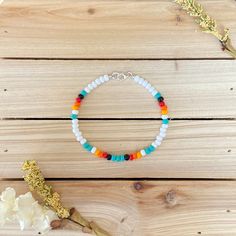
50	49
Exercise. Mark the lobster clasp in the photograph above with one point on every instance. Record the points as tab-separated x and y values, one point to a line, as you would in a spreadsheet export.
121	76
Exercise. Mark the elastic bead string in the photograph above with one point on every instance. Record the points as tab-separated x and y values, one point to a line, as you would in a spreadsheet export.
125	157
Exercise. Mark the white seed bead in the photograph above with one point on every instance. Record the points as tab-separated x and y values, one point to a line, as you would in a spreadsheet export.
157	142
154	145
83	141
75	122
106	77
75	126
136	78
163	130
75	112
140	81
90	86
154	92
102	79
78	134
159	138
164	126
143	153
79	138
93	149
148	86
94	84
87	89
164	117
162	134
144	84
75	131
97	81
151	89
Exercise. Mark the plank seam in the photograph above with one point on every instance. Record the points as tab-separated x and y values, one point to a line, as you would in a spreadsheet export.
126	179
172	119
116	59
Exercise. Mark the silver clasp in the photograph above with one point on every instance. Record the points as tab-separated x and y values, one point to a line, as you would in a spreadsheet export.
121	76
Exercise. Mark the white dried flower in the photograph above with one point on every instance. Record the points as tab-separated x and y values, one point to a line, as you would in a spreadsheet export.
26	210
7	203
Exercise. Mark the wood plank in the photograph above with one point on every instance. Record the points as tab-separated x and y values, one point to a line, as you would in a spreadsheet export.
193	89
109	29
192	149
148	208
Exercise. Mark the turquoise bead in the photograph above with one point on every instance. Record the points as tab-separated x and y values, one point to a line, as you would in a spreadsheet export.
151	148
158	95
84	93
165	121
113	158
147	150
122	158
73	116
87	146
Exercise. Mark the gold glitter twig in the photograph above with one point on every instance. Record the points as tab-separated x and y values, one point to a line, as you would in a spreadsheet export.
34	178
208	24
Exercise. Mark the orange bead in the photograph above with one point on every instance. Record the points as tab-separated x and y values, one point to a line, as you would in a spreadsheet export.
164	112
101	154
77	104
97	153
164	108
139	155
74	107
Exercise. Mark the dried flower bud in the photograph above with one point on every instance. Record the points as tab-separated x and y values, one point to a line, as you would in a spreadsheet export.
55	224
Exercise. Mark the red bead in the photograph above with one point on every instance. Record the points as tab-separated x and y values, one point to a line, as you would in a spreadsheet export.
162	104
133	156
78	100
104	154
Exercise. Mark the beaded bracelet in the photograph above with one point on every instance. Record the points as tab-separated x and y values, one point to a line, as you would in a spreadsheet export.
117	158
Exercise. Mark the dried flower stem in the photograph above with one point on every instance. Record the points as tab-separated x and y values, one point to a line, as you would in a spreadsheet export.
90	226
36	182
208	24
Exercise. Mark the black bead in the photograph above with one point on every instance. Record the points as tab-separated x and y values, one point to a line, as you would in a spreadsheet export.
126	156
81	96
108	157
160	99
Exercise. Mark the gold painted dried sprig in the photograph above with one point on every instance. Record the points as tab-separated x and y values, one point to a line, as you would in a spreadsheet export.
34	178
208	24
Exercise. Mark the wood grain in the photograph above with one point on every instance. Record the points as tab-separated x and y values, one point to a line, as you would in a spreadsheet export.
192	149
44	89
109	29
147	208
